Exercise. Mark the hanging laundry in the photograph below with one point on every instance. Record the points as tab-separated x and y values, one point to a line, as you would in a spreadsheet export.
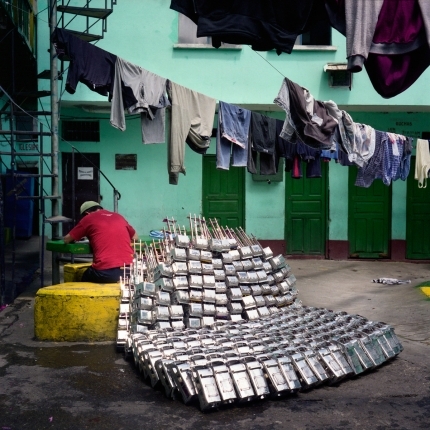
139	92
313	166
314	130
288	131
232	136
361	18
290	152
296	172
390	161
272	24
192	112
399	50
282	147
344	132
364	144
395	153
374	169
393	167
422	162
262	145
198	143
89	64
405	158
343	158
330	154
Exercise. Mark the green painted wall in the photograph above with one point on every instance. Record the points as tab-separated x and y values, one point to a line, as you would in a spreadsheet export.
338	201
147	198
235	76
409	124
145	33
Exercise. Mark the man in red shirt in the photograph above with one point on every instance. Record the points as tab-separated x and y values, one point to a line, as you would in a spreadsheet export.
110	237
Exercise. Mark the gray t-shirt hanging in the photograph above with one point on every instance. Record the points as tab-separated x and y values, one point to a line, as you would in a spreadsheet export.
139	91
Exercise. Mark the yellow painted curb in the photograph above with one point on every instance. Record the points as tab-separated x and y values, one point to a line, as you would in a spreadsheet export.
426	291
77	311
73	271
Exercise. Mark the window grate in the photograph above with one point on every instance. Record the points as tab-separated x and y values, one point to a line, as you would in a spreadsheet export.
81	131
319	34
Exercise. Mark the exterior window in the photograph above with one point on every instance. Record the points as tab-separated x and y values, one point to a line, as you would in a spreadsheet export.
188	30
187	35
320	35
81	131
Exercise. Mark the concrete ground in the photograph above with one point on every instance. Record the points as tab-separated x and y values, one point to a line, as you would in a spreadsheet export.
47	385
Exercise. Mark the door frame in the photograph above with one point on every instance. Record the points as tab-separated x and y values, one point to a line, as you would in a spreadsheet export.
210	158
411	188
352	173
65	190
325	217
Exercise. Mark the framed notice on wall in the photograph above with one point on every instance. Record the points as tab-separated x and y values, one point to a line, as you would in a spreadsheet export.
85	173
125	161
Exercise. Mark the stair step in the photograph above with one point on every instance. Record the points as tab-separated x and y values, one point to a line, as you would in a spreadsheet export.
46	74
34	94
34	175
38	197
32	113
24	133
85	11
27	154
87	37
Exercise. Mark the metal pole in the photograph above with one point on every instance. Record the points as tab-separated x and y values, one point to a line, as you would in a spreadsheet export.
115	200
73	187
54	137
13	191
73	193
2	250
42	211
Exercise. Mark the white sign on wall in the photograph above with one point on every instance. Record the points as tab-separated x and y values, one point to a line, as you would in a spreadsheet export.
85	173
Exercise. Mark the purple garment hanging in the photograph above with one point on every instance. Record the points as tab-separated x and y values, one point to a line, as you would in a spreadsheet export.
400	51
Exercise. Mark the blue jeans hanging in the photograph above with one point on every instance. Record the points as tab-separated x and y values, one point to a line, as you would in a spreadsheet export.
232	136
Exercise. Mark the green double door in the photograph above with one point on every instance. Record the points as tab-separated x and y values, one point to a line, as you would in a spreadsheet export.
417	218
306	213
223	193
369	219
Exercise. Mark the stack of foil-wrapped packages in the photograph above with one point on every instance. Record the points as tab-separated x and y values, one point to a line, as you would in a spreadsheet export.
215	317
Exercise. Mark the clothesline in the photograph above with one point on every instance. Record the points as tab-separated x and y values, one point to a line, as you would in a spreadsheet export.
389	38
309	122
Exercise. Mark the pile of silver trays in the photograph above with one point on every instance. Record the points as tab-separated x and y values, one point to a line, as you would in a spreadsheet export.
220	284
290	351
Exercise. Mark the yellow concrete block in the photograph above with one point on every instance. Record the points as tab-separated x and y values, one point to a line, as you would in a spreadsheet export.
426	291
77	311
73	271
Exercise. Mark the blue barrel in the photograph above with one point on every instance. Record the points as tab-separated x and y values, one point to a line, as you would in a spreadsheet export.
24	186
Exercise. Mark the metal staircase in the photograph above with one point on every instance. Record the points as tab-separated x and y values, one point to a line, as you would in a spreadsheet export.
19	96
93	16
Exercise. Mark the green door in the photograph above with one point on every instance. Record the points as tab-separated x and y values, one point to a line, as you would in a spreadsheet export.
369	218
306	213
223	193
417	218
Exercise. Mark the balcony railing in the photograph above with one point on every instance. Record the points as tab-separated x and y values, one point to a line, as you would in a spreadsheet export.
22	14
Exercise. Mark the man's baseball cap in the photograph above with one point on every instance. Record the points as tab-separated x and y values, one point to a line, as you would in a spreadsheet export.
87	205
